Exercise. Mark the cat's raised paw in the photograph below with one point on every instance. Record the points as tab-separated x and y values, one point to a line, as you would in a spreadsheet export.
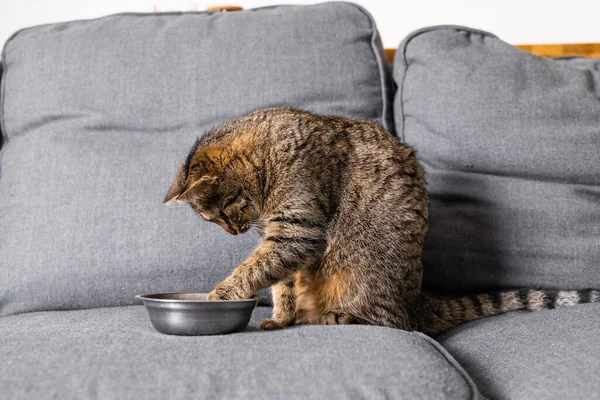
219	294
269	324
336	318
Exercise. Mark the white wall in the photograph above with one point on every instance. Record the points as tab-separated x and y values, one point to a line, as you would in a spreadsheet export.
522	21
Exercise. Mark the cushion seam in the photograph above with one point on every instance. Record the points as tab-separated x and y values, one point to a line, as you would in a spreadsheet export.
3	132
380	66
457	367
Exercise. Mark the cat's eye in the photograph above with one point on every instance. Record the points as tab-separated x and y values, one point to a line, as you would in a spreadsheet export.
224	217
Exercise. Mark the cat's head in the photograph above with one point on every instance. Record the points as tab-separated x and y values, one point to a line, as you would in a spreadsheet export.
206	181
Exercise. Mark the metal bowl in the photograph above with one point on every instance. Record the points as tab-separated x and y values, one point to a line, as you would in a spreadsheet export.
190	314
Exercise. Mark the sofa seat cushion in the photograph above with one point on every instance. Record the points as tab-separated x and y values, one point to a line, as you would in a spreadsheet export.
552	354
116	353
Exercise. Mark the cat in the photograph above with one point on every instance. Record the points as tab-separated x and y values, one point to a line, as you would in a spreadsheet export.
342	208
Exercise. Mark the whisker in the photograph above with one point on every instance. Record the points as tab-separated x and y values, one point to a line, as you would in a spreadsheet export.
255	233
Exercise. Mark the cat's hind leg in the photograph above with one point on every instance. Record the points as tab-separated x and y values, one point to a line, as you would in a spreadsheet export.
337	317
318	298
284	306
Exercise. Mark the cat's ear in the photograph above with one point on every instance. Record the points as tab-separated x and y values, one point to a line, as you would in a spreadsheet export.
181	192
177	186
205	184
181	187
211	160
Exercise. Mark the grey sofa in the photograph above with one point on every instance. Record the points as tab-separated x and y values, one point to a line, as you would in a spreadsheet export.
96	114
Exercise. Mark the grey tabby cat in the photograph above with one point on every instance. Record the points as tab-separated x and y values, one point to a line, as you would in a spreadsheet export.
342	208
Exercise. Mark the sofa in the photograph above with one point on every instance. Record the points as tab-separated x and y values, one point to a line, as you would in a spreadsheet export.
96	114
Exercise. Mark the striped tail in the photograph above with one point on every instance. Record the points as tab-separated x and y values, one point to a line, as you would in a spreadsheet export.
443	314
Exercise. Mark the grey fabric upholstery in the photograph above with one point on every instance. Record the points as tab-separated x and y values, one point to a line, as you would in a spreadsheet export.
1	135
114	353
552	354
97	115
510	146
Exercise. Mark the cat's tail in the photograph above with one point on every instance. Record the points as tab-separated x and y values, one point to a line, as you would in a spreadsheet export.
441	314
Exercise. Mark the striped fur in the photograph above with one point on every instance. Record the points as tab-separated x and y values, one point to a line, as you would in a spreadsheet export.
440	315
341	206
342	210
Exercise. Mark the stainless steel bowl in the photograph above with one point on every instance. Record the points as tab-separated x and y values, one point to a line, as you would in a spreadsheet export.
190	314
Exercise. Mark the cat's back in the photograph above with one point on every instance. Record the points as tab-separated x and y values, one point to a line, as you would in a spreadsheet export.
280	125
362	159
311	142
290	124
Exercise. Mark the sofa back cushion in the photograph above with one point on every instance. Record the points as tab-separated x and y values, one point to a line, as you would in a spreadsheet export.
97	115
511	146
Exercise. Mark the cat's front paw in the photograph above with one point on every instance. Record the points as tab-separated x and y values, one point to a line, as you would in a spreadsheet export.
224	292
217	295
269	324
221	293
